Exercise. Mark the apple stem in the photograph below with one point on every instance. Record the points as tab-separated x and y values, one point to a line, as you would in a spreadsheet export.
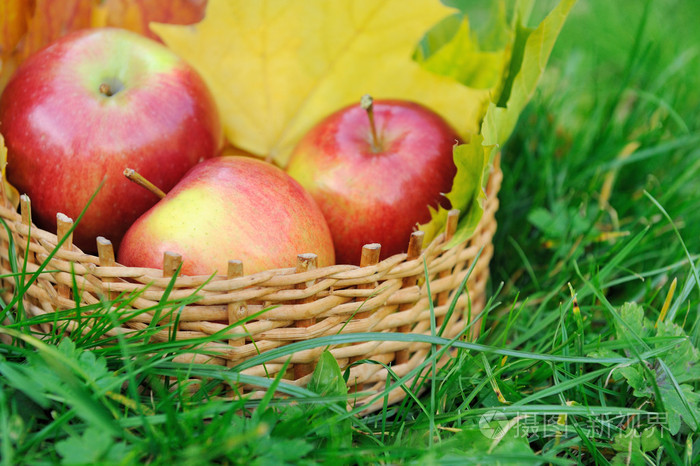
367	103
137	178
106	89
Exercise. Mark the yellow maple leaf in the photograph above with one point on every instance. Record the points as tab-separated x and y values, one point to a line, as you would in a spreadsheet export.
277	67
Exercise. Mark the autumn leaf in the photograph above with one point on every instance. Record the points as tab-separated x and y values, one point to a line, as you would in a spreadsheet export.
536	46
135	15
9	191
27	26
278	67
13	25
467	193
531	50
51	20
474	54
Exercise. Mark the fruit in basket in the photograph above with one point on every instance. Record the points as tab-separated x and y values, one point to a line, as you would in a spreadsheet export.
92	103
374	169
230	208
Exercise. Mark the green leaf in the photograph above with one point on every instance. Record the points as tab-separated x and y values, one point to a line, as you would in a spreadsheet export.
536	46
562	222
462	56
549	224
284	451
467	193
633	315
92	447
650	439
676	408
680	366
636	380
499	441
521	35
684	360
625	441
630	447
327	378
520	74
94	368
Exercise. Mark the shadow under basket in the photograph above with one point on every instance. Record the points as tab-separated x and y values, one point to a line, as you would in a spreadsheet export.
299	303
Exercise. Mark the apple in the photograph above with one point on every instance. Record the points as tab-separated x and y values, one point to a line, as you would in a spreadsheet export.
89	105
225	208
374	169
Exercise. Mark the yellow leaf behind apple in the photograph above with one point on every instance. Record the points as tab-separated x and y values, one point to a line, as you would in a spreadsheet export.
278	67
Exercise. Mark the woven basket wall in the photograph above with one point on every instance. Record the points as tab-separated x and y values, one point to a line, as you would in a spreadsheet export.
307	302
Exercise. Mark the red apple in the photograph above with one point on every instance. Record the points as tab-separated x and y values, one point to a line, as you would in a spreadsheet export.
375	188
89	105
230	208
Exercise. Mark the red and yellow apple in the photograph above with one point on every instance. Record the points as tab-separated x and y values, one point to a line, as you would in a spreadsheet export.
230	208
375	180
91	104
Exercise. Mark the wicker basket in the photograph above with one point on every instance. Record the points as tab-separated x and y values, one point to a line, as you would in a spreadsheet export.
307	302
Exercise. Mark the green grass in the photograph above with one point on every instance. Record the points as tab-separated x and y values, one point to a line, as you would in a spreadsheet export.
599	193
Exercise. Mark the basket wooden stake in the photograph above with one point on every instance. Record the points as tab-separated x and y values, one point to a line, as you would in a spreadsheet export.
105	253
26	217
415	246
236	310
63	226
450	229
171	262
370	256
25	205
305	262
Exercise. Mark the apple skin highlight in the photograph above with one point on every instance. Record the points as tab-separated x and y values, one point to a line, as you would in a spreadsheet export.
370	196
64	136
230	208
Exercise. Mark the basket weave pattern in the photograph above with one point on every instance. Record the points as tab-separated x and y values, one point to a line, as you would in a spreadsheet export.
303	302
